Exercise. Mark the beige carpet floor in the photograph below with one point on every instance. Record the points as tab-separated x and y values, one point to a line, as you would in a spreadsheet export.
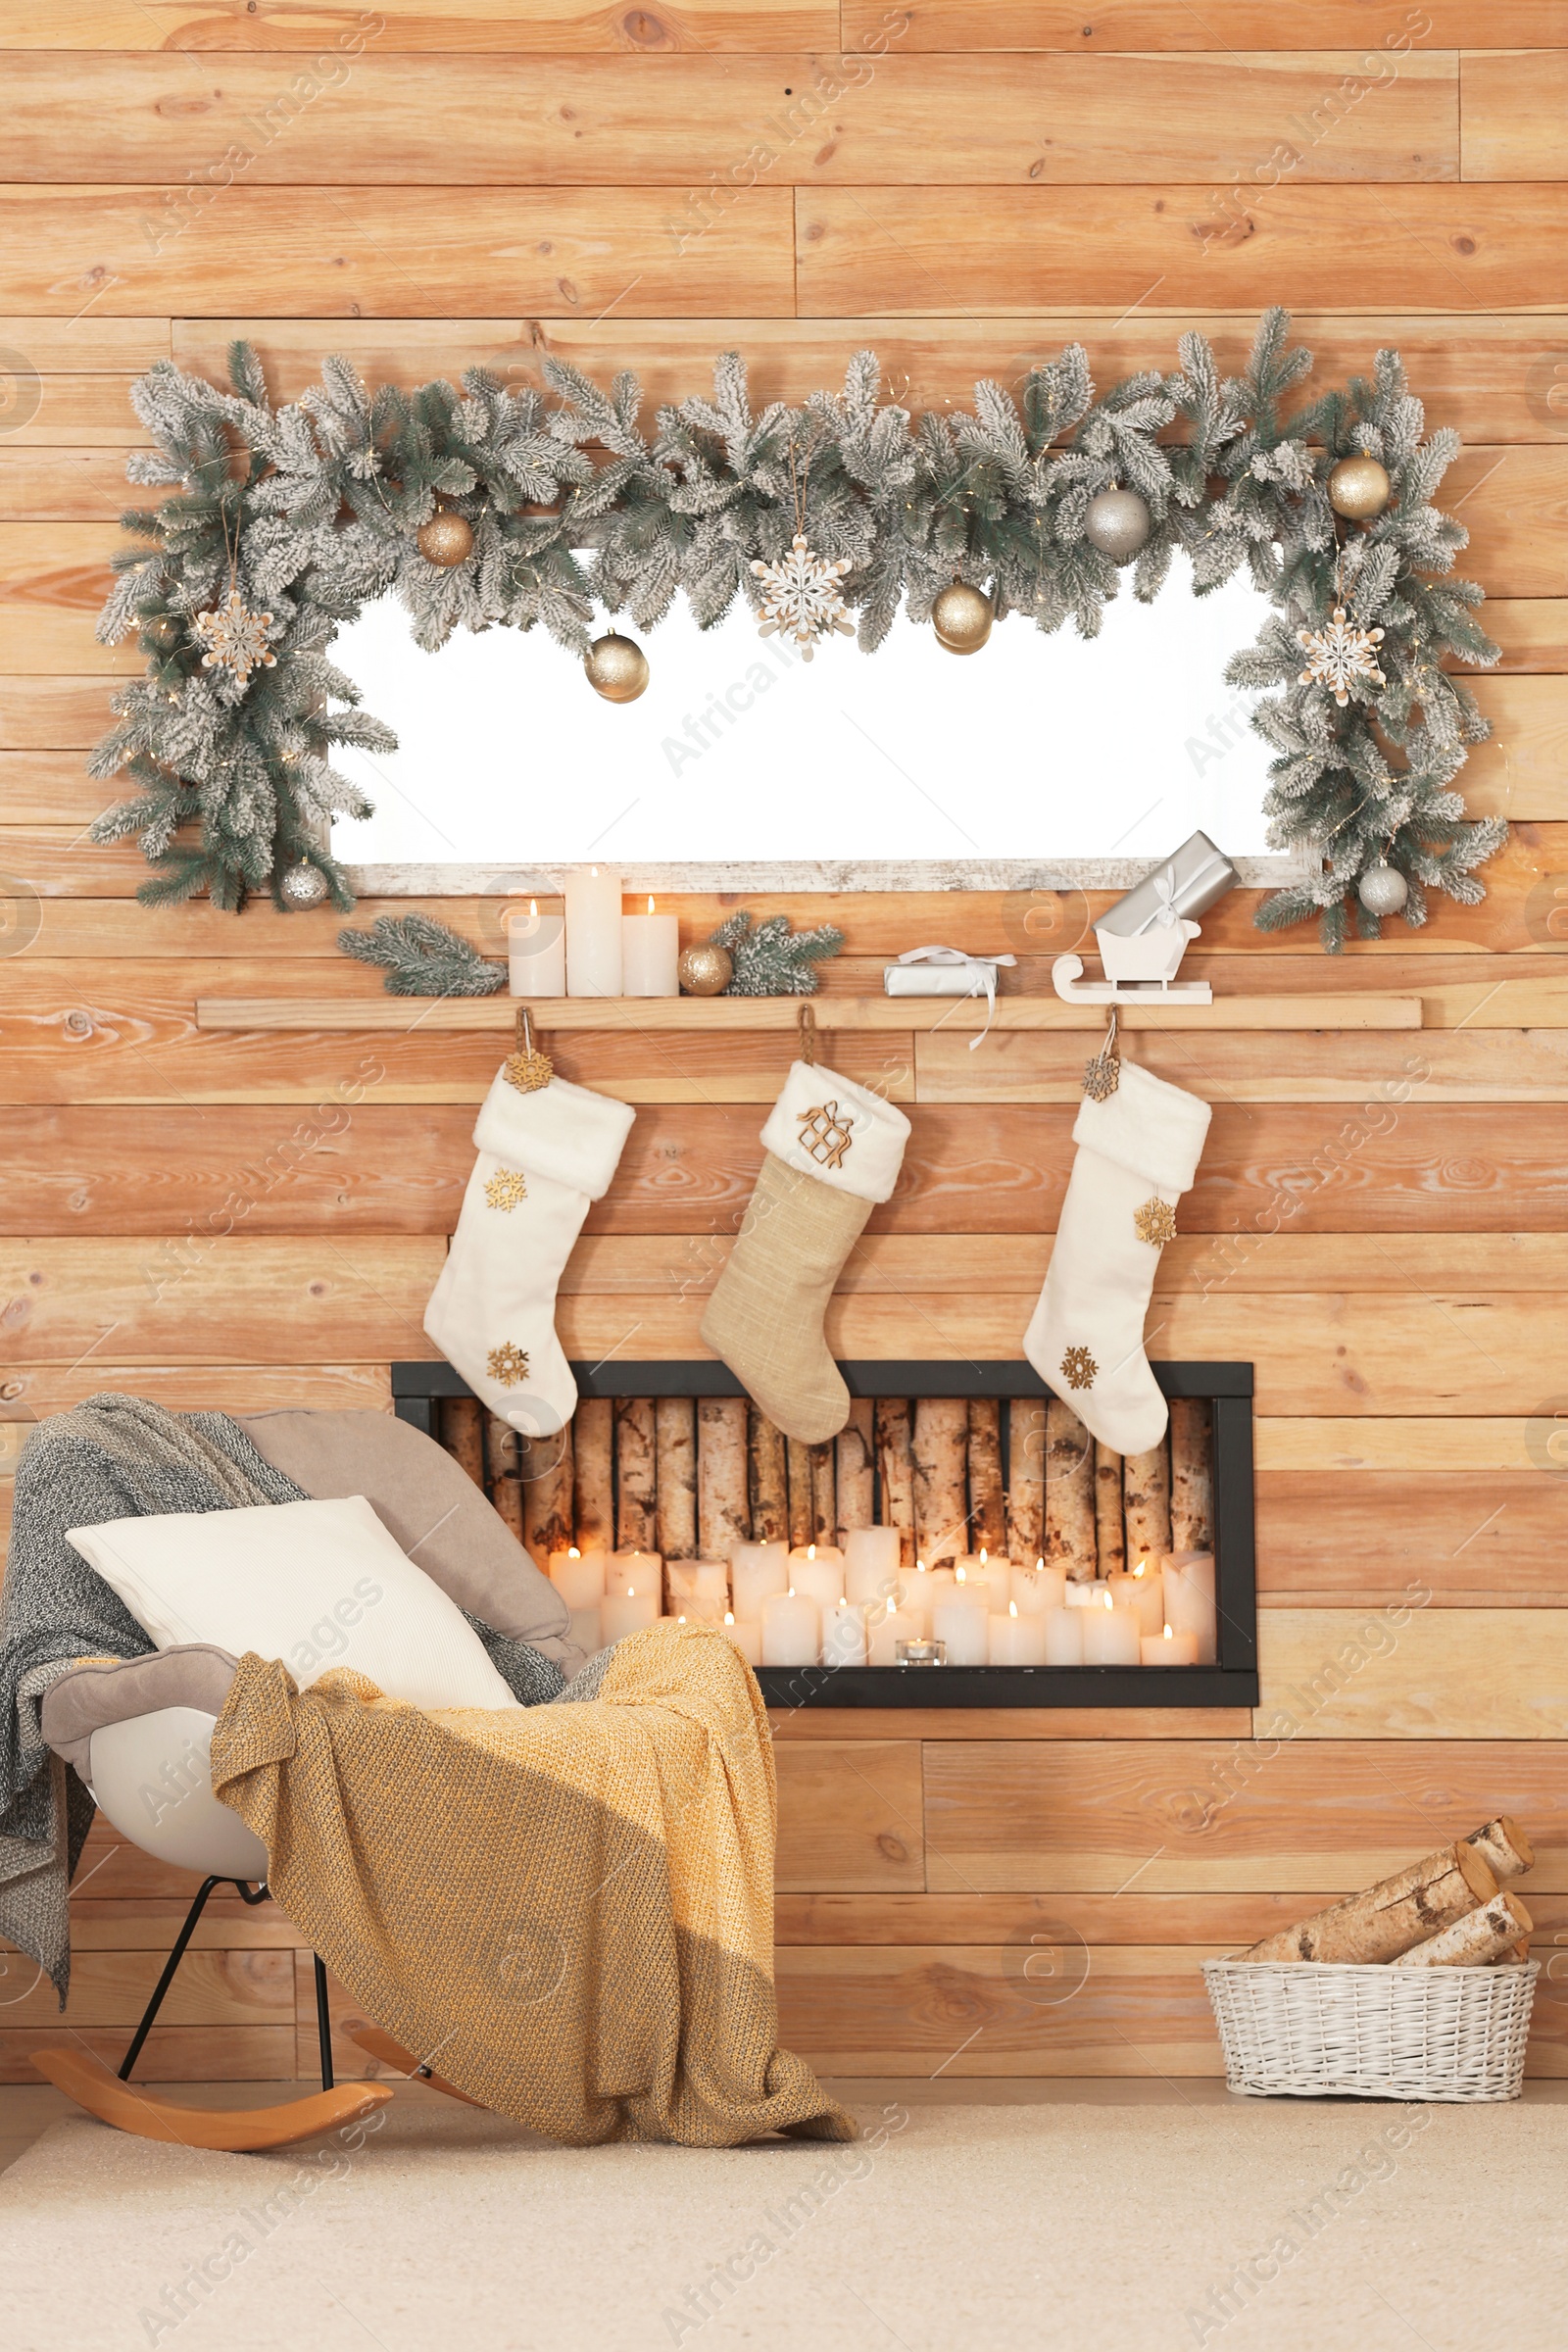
1260	2227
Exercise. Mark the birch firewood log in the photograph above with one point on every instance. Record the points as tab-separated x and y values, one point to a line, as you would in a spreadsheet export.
1146	1506
1069	1494
824	1508
987	1523
1110	1543
463	1434
1475	1940
855	1466
594	1507
1191	1475
545	1465
636	1517
768	1479
723	1499
894	1461
675	1476
797	1460
1504	1847
1026	1480
940	1446
1388	1919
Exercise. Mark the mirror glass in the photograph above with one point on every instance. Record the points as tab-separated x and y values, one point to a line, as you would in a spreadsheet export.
1035	748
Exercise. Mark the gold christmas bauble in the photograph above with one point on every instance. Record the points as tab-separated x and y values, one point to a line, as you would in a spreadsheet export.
961	617
1358	488
616	667
446	540
705	971
303	885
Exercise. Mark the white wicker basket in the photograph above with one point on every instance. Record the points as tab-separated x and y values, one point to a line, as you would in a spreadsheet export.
1314	2030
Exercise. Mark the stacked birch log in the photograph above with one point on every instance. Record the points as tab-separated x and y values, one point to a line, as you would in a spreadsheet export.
1449	1910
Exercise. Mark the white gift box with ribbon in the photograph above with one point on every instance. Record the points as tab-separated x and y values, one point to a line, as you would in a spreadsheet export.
947	972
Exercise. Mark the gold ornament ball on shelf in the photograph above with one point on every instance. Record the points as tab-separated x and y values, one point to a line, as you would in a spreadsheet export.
303	885
616	667
705	971
1358	489
446	540
961	617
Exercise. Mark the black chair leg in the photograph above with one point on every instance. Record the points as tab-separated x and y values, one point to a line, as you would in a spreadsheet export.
324	2022
175	1958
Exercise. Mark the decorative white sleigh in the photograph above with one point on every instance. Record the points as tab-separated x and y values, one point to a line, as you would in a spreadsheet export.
1137	969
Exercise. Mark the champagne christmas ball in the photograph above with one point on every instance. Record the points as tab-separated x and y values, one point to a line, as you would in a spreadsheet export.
705	971
446	540
1358	488
303	885
1118	522
1383	889
961	617
616	667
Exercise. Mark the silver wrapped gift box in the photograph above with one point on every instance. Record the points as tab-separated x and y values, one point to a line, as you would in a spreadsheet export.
975	976
1187	884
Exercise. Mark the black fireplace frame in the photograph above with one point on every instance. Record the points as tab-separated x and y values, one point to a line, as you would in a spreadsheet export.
1228	1386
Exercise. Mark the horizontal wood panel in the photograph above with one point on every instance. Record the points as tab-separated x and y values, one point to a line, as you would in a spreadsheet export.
1514	504
334	250
229	2053
1515	116
1497	1538
1292	1815
851	1818
210	1988
1481	1066
1455	1674
1488	376
870	250
1070	1918
1501	1443
684	120
1153	25
66	485
74	410
1013	1723
426	24
43	714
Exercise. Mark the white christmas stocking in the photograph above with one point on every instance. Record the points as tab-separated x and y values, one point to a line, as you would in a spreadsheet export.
544	1155
1138	1153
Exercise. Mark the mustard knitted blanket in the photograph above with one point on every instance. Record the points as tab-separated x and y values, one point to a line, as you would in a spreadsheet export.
567	1911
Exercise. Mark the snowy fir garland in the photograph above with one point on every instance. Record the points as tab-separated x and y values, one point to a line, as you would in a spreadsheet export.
279	524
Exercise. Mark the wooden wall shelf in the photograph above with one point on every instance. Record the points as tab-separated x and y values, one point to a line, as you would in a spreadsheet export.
716	1014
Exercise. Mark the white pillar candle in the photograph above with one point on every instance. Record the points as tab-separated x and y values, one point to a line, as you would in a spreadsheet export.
1145	1594
1189	1588
699	1580
586	1631
870	1562
748	1639
889	1628
964	1628
792	1630
1039	1588
1169	1648
629	1612
818	1569
1064	1637
536	952
698	1608
578	1576
1087	1595
1017	1640
1110	1636
756	1571
844	1635
634	1572
650	951
593	931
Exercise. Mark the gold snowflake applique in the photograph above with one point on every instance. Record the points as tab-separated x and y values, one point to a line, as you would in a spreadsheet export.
507	1364
1339	653
1102	1075
825	1133
505	1189
1079	1368
800	596
235	637
1156	1222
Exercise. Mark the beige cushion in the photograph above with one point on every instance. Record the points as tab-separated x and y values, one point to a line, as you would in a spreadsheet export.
105	1690
432	1508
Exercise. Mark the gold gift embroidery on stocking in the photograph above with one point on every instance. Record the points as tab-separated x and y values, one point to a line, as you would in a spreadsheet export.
505	1189
1079	1367
1156	1222
507	1364
825	1133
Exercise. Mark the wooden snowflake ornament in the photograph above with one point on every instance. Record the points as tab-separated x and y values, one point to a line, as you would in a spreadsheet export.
1079	1368
505	1189
1156	1222
800	596
507	1364
235	637
1340	653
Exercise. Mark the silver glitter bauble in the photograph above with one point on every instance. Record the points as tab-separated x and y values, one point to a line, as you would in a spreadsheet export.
303	885
1118	522
1383	889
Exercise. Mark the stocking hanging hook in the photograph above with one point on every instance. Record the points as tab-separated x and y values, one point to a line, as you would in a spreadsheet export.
808	1022
526	1068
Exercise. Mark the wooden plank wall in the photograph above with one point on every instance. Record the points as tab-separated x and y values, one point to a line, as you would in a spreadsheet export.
1379	1224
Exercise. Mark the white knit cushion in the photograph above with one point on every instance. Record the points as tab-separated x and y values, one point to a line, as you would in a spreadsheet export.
315	1584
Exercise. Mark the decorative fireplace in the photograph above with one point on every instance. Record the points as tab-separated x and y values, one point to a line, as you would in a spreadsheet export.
746	1489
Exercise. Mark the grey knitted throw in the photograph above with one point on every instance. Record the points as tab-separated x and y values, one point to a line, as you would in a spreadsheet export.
112	1457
